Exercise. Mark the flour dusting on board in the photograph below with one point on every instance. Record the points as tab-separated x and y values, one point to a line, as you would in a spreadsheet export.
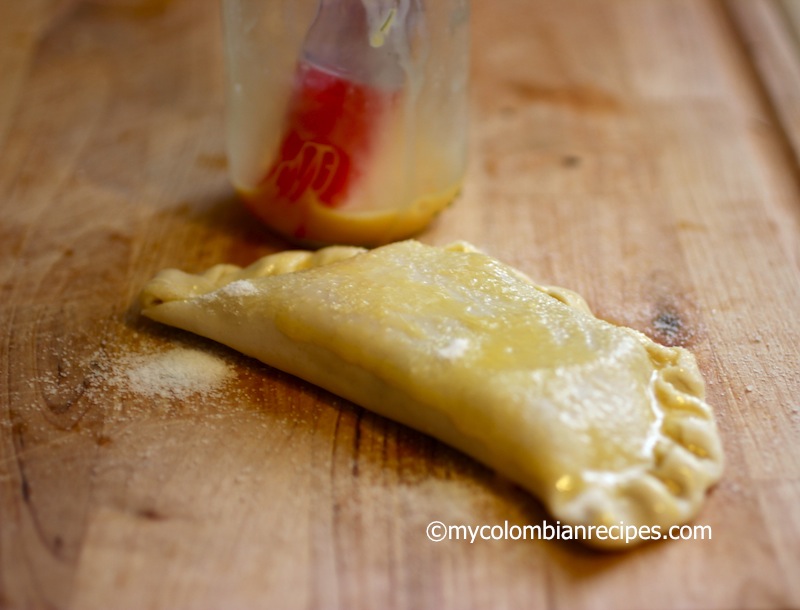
177	374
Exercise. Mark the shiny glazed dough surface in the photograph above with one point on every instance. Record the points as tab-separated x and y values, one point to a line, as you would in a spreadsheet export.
598	421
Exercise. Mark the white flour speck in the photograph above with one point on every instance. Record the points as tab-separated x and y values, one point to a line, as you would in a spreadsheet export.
240	288
455	349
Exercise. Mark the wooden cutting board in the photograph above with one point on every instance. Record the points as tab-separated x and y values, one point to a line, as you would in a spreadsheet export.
641	152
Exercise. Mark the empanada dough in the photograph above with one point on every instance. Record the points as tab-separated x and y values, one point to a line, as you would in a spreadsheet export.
601	423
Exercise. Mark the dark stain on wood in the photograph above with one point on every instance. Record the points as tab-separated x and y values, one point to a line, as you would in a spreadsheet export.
667	313
668	327
672	324
150	514
26	490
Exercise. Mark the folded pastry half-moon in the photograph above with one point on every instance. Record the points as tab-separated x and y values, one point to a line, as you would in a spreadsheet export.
603	425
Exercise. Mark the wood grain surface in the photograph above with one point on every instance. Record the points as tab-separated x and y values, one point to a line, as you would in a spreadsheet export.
641	152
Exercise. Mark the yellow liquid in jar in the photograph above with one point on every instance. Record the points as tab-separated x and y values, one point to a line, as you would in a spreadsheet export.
312	223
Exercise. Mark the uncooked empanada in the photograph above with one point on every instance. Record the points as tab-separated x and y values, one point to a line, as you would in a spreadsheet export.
601	423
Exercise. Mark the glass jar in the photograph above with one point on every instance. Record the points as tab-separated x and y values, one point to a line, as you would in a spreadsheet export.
347	118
